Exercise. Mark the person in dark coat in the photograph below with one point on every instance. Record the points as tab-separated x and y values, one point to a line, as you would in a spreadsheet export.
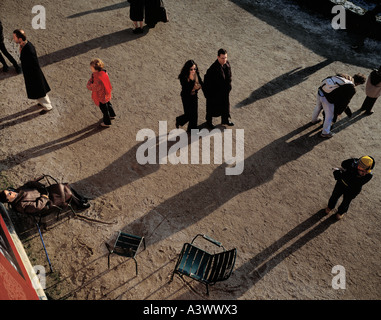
372	90
191	83
352	175
4	50
155	12
137	15
34	197
217	87
364	27
36	85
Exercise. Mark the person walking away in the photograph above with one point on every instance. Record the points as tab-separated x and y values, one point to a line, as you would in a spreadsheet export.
372	90
101	88
35	83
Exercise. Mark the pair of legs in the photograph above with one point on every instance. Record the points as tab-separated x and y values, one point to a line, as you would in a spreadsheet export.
323	104
340	190
80	201
108	113
190	106
368	105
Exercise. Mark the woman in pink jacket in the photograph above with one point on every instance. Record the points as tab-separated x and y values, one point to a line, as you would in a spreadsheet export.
101	88
372	90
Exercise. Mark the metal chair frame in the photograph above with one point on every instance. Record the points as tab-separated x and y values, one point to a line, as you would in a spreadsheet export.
126	245
203	266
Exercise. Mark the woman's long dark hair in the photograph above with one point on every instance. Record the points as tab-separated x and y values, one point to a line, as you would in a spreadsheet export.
185	71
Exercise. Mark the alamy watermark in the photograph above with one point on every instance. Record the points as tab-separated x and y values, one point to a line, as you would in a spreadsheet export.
39	20
39	280
338	21
339	280
155	150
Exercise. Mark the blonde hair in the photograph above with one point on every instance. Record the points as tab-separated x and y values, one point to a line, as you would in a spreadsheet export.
97	64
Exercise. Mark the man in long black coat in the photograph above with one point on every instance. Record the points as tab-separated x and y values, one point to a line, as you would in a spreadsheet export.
36	85
217	87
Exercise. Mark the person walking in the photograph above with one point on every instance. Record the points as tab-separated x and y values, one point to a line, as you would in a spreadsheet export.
137	15
333	97
350	178
217	87
191	83
35	83
372	90
101	88
155	12
4	50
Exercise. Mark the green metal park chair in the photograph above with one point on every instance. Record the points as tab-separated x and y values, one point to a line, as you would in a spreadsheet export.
126	245
205	267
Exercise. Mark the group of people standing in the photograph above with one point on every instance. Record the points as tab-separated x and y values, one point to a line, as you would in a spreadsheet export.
216	87
151	11
334	95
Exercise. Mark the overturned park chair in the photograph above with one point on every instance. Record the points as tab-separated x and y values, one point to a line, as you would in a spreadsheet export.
205	267
126	245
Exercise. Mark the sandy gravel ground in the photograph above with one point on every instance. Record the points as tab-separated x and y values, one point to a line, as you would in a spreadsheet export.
270	213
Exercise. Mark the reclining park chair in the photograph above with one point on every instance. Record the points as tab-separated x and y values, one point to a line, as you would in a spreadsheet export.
37	217
205	267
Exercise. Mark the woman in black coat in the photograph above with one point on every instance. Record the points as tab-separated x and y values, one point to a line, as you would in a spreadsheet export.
191	83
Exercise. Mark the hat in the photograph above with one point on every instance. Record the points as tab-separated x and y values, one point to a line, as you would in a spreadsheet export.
366	163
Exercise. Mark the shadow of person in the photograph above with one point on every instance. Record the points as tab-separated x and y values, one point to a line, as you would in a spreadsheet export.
105	41
121	172
269	258
50	146
121	5
283	82
20	117
197	202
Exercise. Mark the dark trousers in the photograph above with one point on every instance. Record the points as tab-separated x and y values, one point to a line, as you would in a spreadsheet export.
107	111
341	190
368	104
190	106
7	54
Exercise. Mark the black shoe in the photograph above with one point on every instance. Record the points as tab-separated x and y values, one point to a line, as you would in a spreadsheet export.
18	69
348	112
229	123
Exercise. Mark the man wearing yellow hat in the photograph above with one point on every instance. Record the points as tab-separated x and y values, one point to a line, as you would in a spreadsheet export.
352	175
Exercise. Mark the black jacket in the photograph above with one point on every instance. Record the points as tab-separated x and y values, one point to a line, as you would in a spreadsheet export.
35	82
350	177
